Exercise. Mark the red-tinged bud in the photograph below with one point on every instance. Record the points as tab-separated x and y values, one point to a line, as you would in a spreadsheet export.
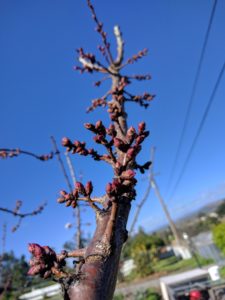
116	184
89	188
98	124
120	144
89	126
80	188
140	139
35	270
91	151
63	193
99	139
67	197
66	142
49	251
77	144
36	250
131	153
68	203
108	188
130	182
61	200
141	127
128	174
34	261
131	132
111	130
75	193
74	204
118	168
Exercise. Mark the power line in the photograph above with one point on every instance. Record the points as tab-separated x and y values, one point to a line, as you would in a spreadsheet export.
196	79
204	117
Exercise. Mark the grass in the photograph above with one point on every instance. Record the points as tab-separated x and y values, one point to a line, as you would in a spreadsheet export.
222	272
173	264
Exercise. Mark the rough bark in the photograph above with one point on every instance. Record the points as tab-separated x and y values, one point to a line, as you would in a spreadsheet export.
98	275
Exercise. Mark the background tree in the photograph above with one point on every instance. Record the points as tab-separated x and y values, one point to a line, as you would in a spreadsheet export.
143	248
14	278
221	209
219	236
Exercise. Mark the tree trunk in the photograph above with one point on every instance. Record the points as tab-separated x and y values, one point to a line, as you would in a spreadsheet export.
97	278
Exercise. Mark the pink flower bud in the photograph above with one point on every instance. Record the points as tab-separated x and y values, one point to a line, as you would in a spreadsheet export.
89	188
89	126
74	204
66	142
77	144
63	193
49	251
80	188
99	139
131	153
141	127
36	250
108	188
35	270
131	132
98	124
128	174
61	200
68	203
140	139
75	193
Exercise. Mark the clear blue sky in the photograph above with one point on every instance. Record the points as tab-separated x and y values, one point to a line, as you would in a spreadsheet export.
41	95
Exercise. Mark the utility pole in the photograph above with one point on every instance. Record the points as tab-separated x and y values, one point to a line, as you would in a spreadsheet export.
77	209
144	199
162	202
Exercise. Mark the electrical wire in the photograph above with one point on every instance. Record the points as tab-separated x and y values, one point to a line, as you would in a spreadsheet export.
196	79
204	117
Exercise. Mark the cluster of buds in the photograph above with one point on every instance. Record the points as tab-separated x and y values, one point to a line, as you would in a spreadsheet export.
142	99
70	199
102	50
9	153
121	185
83	69
132	145
141	77
76	147
46	157
89	56
97	103
115	111
44	261
137	56
99	27
80	148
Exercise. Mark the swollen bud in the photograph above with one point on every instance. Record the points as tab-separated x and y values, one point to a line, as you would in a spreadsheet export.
36	250
89	126
66	142
129	174
80	188
109	188
141	127
89	188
